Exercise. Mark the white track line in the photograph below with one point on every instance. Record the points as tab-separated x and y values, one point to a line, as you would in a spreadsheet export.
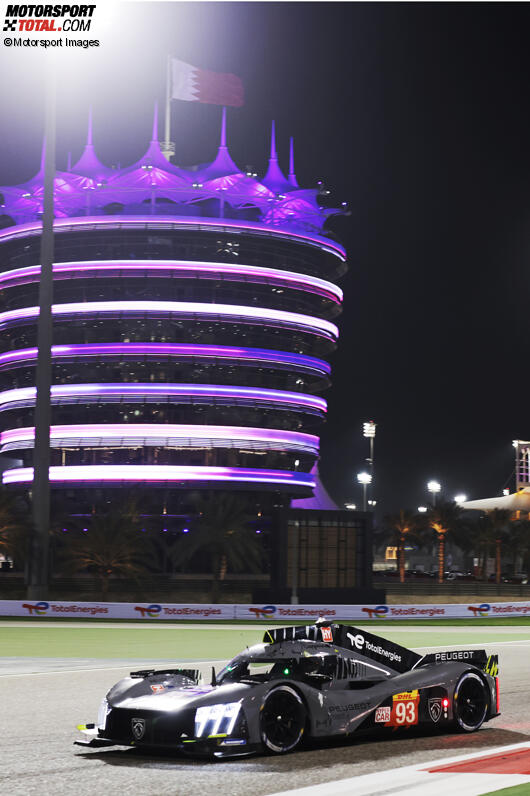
128	666
416	780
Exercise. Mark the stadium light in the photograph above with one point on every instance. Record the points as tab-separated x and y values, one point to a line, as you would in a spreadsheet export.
364	479
434	487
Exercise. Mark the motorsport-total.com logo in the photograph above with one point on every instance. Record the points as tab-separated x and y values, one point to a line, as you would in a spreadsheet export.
42	20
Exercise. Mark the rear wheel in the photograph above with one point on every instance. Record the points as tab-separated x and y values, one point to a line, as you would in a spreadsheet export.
470	702
282	720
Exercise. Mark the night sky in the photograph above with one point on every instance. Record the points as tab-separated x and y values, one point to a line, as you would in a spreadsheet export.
418	116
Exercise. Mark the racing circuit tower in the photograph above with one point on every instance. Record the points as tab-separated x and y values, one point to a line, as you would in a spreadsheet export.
193	320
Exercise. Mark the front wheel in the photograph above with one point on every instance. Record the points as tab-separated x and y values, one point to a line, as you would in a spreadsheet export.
470	702
282	720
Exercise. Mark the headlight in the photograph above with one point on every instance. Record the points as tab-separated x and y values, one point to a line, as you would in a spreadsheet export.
216	719
103	712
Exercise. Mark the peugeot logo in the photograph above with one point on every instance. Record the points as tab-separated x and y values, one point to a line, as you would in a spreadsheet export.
138	728
435	709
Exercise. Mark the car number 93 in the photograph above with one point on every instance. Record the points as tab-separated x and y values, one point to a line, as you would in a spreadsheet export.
404	709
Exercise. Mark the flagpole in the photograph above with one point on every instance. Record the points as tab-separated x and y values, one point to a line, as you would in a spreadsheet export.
167	148
38	565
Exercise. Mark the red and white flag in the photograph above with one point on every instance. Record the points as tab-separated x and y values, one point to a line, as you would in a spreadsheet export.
199	85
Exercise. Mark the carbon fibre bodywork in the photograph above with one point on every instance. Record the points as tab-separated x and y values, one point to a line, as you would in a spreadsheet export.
319	680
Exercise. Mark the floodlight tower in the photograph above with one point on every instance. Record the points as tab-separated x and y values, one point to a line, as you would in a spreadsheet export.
364	478
369	433
434	487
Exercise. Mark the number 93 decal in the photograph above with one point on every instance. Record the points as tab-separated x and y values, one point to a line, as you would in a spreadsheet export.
404	709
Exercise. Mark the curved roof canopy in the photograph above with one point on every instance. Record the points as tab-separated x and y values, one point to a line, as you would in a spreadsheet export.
219	189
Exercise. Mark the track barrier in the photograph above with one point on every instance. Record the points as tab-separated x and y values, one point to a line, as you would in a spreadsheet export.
222	611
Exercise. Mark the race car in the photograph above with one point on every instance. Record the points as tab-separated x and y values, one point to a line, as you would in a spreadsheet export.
310	681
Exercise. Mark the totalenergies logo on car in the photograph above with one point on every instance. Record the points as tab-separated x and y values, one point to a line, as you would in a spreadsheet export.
480	610
152	611
36	609
379	612
263	613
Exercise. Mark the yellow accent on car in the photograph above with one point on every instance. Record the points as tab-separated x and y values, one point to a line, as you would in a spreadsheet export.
405	695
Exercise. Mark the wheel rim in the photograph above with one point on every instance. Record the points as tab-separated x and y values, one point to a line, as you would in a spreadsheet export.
282	720
471	702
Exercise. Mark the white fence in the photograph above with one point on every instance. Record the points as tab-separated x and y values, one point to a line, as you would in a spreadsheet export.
202	611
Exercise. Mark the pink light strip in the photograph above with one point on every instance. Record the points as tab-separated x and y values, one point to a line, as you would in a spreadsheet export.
25	396
178	268
167	435
185	308
89	222
127	473
160	351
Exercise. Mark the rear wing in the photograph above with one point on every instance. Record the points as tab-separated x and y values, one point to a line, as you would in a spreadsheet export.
478	658
398	658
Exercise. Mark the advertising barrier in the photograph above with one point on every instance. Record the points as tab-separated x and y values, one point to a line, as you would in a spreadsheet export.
266	613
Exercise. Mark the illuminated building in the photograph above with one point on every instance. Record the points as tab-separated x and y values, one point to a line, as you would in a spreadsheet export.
193	321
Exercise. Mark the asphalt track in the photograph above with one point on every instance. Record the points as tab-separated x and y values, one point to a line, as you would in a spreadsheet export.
42	699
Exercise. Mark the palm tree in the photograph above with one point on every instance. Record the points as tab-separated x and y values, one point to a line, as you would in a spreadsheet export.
518	543
444	519
222	532
499	520
14	528
111	545
401	527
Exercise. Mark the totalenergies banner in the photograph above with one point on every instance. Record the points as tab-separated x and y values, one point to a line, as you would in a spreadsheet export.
267	613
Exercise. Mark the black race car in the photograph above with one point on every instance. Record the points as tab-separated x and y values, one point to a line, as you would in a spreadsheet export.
313	681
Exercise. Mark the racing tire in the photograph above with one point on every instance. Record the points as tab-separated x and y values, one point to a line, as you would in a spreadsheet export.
282	720
470	702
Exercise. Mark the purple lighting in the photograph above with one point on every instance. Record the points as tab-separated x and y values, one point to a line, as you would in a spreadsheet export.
69	393
161	474
184	308
181	269
198	223
163	351
167	435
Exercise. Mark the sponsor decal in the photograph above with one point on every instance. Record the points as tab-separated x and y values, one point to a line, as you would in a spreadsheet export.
157	688
507	608
382	715
348	708
456	655
417	610
262	613
198	611
492	665
138	728
378	612
36	609
152	611
435	708
404	711
480	610
327	634
358	641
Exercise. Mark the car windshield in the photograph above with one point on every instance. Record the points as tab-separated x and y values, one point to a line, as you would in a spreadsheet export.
258	669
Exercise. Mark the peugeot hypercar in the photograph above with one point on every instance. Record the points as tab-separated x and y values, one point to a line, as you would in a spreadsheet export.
312	681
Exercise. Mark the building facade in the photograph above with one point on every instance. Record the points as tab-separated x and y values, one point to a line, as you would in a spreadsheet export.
193	317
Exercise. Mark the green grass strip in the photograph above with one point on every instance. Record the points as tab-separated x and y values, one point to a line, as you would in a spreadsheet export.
174	642
515	621
515	790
